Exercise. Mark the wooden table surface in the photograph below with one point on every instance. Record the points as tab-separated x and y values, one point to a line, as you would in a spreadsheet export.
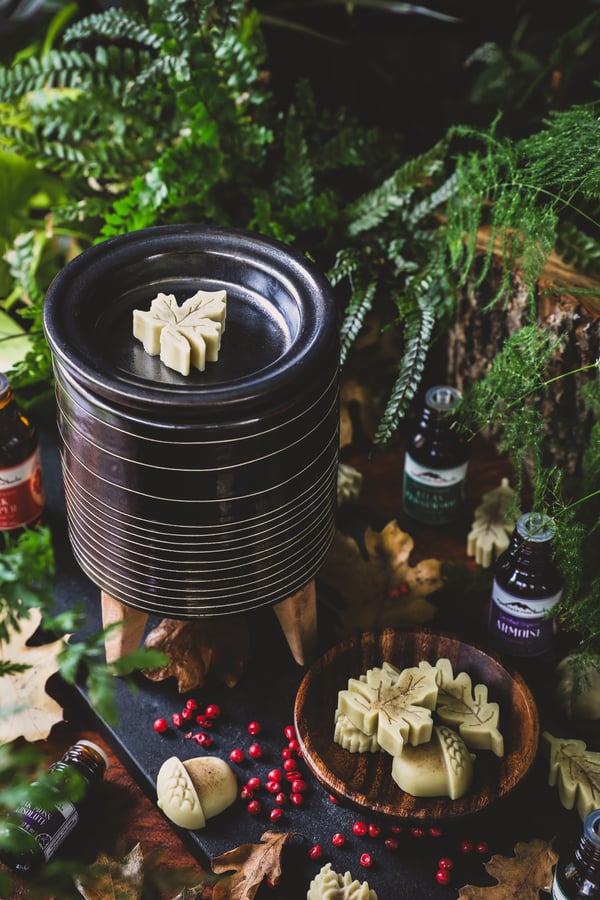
132	817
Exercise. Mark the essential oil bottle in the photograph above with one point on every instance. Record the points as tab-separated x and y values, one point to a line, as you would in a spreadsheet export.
33	832
577	872
526	587
435	462
21	484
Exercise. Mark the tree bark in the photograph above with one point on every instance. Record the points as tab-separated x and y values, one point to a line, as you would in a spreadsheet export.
476	337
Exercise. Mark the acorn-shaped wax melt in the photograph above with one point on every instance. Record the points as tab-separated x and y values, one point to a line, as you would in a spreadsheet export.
192	791
443	767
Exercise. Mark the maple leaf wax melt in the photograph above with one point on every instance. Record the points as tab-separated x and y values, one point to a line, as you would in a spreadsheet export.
330	885
442	767
183	336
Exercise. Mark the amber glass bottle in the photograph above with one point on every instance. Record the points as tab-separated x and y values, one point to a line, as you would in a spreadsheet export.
34	831
21	485
577	872
435	462
526	587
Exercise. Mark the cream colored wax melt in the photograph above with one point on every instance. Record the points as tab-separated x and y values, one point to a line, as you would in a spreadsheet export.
330	885
183	336
393	704
441	768
192	791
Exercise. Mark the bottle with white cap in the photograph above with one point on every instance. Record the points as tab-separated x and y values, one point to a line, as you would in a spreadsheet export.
527	586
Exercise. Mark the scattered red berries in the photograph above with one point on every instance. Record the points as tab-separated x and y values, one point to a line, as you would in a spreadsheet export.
366	860
338	839
359	828
212	711
254	807
254	728
237	755
443	876
316	852
161	725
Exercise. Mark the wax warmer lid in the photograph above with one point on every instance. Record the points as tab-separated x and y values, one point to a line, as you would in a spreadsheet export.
281	324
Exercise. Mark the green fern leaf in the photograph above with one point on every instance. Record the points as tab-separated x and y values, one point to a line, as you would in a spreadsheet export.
354	316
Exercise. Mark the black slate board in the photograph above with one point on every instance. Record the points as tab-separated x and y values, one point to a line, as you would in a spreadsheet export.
266	693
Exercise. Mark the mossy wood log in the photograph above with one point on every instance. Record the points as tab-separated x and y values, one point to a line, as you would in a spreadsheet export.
477	336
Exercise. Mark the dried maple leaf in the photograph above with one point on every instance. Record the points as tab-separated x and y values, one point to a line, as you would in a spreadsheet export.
122	878
381	589
27	710
252	864
523	875
196	647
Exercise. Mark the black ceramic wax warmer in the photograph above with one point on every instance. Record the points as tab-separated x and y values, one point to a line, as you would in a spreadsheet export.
213	493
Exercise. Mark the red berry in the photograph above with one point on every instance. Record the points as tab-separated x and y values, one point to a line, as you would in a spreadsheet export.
255	751
160	725
246	793
299	786
273	787
293	774
297	799
275	814
289	765
359	828
391	843
254	783
435	832
443	876
203	739
294	745
237	755
177	720
286	753
275	775
483	848
338	839
366	860
290	732
374	831
212	711
187	713
203	721
466	846
418	832
281	799
333	800
397	829
254	807
316	852
191	704
445	863
254	728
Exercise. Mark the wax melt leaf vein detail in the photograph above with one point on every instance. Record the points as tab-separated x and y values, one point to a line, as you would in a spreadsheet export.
183	336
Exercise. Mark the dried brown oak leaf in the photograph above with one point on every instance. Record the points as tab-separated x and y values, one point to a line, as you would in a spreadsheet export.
380	589
122	878
197	647
26	709
523	875
252	864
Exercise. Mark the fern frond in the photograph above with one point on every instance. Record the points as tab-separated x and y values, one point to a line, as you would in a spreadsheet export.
418	330
116	25
360	303
347	262
372	208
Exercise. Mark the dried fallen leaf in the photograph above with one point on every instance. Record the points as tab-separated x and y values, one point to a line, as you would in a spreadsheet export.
523	875
380	589
27	710
122	878
198	647
252	864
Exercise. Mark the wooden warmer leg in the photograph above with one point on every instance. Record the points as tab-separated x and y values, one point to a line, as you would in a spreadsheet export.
297	616
128	636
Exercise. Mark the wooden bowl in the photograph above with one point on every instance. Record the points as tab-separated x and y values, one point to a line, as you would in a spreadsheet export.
364	780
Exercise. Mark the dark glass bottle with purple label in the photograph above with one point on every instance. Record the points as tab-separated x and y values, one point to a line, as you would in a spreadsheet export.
435	462
526	588
32	833
577	872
